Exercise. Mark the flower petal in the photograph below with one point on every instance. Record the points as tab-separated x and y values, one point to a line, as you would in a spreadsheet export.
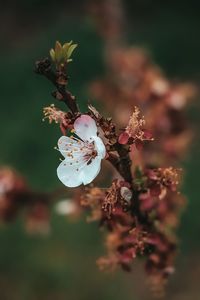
66	145
73	176
68	174
99	146
90	171
85	127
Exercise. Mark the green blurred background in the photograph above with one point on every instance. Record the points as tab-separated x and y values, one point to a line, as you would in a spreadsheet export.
62	265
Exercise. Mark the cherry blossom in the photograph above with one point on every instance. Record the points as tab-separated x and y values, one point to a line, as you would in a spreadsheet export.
83	155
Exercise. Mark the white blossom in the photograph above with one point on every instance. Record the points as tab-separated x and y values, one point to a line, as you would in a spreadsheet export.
83	155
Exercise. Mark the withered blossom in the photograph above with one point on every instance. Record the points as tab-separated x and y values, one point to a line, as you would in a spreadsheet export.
135	132
53	114
92	199
132	79
16	195
13	190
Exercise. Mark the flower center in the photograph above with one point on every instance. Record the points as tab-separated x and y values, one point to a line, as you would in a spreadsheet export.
91	152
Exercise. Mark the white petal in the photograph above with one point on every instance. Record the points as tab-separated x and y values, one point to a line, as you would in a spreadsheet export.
99	146
85	127
68	174
66	145
89	172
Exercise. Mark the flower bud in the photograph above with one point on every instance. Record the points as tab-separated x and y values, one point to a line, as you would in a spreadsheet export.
126	194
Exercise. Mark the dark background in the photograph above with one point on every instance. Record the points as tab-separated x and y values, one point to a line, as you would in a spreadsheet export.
62	265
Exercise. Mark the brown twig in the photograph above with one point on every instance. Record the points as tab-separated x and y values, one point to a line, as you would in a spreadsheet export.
44	67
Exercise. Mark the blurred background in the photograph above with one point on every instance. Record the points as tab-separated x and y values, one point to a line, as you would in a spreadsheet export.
62	265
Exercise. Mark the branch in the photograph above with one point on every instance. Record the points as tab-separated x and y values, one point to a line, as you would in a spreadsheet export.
122	162
59	80
122	165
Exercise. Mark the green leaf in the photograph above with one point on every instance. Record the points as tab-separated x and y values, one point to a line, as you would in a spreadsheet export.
62	53
52	54
71	49
67	45
65	48
58	52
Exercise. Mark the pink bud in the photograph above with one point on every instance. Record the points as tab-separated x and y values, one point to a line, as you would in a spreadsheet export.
123	138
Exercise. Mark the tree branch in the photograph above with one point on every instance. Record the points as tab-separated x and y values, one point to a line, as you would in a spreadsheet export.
44	67
60	80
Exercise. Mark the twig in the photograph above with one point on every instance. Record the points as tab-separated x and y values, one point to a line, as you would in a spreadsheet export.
44	67
59	79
